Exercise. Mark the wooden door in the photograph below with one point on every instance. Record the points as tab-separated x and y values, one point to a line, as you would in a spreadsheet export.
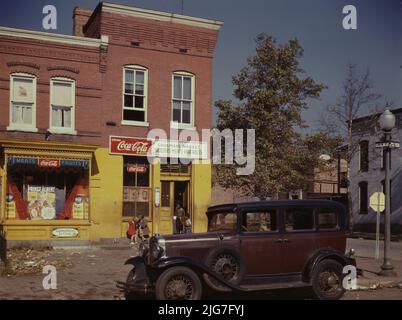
166	210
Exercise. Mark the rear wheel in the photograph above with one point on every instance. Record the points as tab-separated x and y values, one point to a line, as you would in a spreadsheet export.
327	280
178	283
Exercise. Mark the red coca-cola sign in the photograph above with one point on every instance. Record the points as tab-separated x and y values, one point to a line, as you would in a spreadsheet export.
130	146
49	163
133	168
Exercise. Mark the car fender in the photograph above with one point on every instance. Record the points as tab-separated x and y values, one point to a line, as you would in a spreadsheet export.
135	261
326	253
162	264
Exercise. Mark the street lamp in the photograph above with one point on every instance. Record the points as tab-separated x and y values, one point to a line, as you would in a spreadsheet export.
387	123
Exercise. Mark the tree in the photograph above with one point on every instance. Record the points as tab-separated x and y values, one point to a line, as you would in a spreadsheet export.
271	96
357	99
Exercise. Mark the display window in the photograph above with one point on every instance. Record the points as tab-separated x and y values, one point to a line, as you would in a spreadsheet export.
136	187
47	189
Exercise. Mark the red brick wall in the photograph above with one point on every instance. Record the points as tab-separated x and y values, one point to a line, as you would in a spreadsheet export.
99	73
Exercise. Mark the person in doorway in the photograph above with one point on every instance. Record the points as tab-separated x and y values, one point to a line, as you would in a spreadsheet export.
132	231
178	218
143	227
187	224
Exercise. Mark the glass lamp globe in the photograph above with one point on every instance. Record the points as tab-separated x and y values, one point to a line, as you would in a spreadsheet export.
387	121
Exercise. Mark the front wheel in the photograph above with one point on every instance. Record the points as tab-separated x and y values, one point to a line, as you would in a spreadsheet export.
327	280
178	283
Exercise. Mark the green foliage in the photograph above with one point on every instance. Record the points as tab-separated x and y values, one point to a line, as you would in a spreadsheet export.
271	95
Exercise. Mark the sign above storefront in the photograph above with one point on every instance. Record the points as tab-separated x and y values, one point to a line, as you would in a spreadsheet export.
158	148
48	162
130	146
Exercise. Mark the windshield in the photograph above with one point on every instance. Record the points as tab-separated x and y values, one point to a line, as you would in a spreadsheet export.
223	222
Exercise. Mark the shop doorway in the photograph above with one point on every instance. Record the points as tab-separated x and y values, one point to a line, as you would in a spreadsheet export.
172	193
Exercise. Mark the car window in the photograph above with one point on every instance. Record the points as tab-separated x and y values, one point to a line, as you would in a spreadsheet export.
260	221
222	222
327	218
299	219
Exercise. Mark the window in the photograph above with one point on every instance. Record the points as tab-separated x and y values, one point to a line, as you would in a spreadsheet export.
135	95
136	191
299	219
222	222
183	100
363	197
327	218
22	102
364	155
62	109
260	221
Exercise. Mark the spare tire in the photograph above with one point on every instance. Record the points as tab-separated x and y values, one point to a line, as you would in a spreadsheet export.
227	262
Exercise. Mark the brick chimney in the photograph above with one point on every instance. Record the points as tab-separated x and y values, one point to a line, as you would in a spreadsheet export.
80	18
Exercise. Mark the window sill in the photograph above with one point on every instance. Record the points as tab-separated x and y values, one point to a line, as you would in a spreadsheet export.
22	128
134	123
181	126
62	131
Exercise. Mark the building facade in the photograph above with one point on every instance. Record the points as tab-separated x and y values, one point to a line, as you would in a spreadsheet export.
76	112
367	174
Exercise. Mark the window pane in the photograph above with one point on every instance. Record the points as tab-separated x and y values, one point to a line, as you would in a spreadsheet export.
260	221
129	76
176	111
67	117
364	156
187	88
128	100
363	197
61	94
177	87
299	219
128	88
56	117
131	115
139	89
139	102
222	222
21	114
165	194
139	77
186	116
327	218
23	89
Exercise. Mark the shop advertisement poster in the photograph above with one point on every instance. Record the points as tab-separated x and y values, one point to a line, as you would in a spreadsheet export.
134	194
11	211
80	207
42	202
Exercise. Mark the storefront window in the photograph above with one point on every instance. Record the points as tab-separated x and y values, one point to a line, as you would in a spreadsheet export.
47	189
136	191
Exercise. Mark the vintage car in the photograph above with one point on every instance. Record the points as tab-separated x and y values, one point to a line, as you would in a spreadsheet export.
248	247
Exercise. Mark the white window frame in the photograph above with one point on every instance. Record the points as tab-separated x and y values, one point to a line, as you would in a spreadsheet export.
144	123
177	125
17	126
62	130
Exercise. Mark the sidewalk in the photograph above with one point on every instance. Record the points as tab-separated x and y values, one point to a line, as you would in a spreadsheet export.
365	257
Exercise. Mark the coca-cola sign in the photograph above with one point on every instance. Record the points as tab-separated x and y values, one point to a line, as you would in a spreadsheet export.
130	146
49	163
133	168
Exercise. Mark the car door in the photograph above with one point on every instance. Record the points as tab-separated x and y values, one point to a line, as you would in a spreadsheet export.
299	237
260	242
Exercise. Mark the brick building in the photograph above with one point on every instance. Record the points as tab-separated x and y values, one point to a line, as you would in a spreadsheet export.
75	116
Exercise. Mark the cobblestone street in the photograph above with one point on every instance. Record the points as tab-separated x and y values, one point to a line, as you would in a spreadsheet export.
94	272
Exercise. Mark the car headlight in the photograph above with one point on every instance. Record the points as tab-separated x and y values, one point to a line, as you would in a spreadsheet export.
158	247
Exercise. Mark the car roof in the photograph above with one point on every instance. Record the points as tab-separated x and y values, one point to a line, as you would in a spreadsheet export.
275	203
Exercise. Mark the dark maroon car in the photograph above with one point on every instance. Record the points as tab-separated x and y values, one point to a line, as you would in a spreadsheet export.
249	246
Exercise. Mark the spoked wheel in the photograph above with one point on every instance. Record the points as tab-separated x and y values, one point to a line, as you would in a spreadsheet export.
227	263
178	283
327	280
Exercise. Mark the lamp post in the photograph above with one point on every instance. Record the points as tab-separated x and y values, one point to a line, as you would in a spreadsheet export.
387	123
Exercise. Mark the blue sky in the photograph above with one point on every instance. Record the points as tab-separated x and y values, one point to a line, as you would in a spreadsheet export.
328	48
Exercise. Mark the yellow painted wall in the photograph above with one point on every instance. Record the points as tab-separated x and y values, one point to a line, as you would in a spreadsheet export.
201	194
106	195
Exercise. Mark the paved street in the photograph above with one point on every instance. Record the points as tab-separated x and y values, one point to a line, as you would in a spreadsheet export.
94	271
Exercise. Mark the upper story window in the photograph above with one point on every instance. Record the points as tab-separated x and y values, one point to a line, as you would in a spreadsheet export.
364	155
62	105
22	102
135	85
183	100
